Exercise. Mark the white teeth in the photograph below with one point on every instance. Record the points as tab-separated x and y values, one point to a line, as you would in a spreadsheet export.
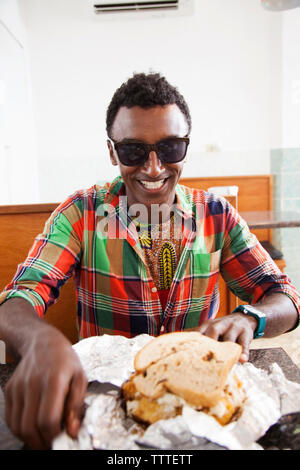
153	184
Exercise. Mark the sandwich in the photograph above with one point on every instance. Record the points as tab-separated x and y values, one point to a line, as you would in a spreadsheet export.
184	368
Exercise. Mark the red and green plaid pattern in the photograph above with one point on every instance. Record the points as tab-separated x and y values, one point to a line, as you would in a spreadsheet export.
114	289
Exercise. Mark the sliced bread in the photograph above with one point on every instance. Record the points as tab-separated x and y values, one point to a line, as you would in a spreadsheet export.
188	364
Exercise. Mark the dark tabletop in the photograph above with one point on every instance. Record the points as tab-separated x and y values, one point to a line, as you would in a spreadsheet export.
261	358
271	219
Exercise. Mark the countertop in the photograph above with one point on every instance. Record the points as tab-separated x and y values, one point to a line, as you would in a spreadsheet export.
271	219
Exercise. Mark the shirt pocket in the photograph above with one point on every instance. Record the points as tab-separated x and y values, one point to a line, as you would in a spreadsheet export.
205	272
206	264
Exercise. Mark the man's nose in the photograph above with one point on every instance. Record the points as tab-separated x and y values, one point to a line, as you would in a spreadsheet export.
153	166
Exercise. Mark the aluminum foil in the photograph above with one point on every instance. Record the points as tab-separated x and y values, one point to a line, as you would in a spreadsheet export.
109	359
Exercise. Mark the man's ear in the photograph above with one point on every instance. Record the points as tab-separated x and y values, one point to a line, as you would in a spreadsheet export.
112	155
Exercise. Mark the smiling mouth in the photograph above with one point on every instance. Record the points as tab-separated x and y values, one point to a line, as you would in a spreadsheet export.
153	184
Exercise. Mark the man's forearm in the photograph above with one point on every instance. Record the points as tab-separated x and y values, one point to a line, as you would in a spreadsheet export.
281	313
19	324
46	391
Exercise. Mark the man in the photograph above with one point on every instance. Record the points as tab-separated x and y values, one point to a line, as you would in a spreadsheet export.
131	277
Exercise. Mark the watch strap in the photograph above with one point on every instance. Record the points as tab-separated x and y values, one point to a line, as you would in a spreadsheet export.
255	313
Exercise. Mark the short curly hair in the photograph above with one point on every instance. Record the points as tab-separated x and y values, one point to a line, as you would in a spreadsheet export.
146	91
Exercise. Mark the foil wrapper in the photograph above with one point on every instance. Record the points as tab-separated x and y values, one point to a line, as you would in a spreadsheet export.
109	360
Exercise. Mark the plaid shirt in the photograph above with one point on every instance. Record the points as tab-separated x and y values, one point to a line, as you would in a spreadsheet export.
114	289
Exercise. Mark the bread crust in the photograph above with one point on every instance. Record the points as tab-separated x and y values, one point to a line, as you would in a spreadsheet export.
162	345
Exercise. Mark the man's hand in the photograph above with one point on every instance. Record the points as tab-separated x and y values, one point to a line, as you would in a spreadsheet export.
281	314
236	327
46	392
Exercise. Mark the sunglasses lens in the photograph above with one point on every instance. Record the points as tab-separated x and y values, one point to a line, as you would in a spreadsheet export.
171	150
132	154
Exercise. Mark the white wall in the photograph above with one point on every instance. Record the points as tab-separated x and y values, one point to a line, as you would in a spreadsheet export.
18	157
291	79
224	58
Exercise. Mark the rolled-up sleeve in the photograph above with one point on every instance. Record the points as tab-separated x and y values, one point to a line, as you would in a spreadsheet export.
50	262
247	267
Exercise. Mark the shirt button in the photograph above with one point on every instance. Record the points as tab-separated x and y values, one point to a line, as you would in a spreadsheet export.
154	289
162	329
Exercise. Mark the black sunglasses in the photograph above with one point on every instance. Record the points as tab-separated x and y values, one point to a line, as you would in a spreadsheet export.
135	152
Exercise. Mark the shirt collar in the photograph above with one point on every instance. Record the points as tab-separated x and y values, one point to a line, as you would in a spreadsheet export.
116	189
184	202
